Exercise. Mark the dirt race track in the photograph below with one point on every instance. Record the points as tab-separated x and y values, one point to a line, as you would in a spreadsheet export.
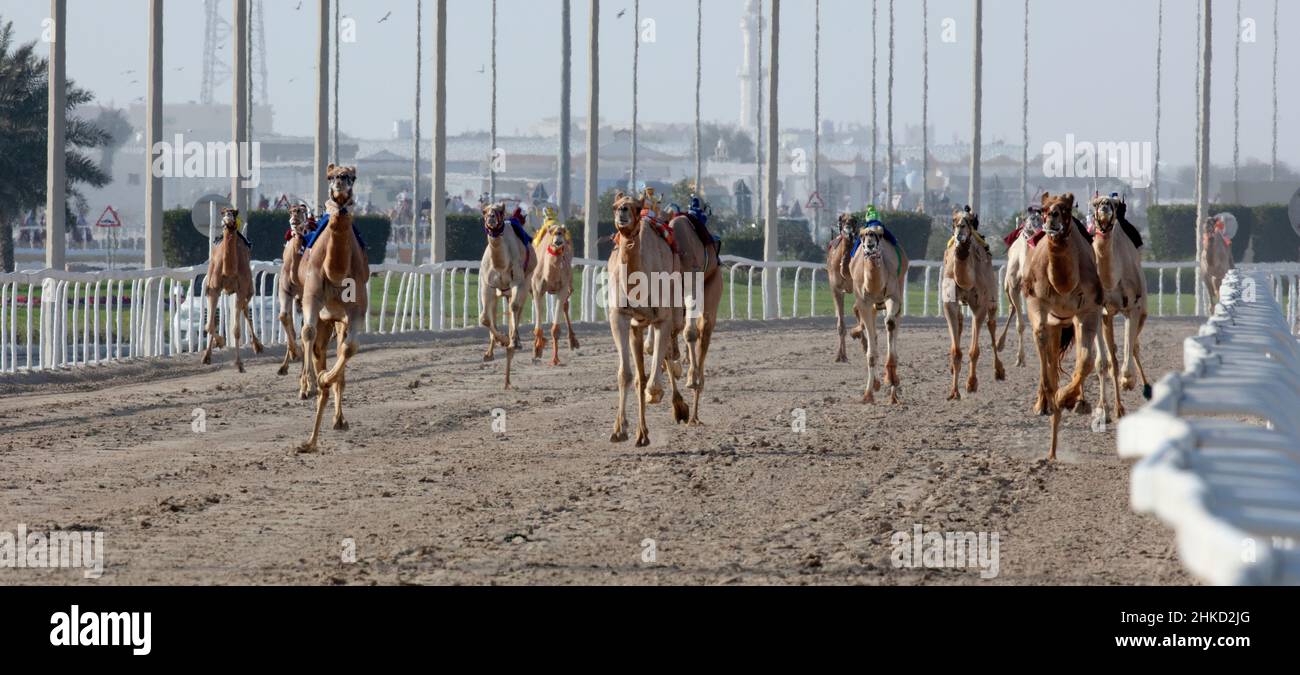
430	494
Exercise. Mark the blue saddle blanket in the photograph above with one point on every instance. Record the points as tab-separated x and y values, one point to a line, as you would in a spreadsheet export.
324	223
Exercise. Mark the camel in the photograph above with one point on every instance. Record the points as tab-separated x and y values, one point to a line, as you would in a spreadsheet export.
643	257
699	258
1216	260
839	276
1119	267
968	279
879	270
229	272
1063	297
290	288
1018	247
505	272
335	299
554	275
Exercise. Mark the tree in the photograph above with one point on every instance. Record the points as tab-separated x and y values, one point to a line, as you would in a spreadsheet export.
114	123
24	108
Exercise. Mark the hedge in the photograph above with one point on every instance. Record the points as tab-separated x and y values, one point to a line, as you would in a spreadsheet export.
1275	239
793	242
183	246
1171	233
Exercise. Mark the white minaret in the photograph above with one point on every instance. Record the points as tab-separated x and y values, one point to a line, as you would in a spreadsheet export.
751	76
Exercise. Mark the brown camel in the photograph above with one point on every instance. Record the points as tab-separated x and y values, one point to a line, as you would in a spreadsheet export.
1119	267
879	269
554	275
505	271
1017	255
335	299
642	259
1063	297
229	272
840	277
290	287
1216	260
968	279
701	273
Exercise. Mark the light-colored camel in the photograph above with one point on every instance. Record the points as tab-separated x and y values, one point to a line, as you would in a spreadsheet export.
335	277
968	279
879	269
840	277
702	293
506	271
1216	260
1063	297
290	286
1119	267
641	260
1017	255
229	272
554	275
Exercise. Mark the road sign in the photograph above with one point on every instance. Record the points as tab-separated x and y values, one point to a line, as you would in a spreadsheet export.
109	219
815	201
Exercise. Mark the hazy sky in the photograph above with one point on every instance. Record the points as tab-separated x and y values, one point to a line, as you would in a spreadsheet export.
1092	65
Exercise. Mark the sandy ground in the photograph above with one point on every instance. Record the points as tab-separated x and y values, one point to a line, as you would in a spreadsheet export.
429	493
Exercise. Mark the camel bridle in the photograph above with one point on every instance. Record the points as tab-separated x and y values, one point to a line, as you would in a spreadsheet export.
499	217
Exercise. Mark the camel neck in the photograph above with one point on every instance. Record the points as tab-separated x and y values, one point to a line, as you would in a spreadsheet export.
1062	268
1103	245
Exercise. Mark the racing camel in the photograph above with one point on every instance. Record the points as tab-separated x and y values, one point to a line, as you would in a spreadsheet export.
505	271
1119	267
839	277
1216	260
1063	297
968	279
230	273
1019	243
879	269
335	299
290	288
554	275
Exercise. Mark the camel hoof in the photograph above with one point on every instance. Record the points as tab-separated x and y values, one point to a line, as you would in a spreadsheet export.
219	342
488	357
239	366
555	361
893	398
207	359
695	422
341	425
1128	384
642	439
654	396
841	358
972	386
284	370
618	437
1083	407
681	411
954	395
875	385
573	343
1020	361
1000	373
257	347
307	448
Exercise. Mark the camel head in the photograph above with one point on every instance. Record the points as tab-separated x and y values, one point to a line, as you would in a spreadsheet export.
230	218
1059	215
494	219
559	234
1105	213
964	225
340	180
872	235
298	219
627	212
848	223
1032	222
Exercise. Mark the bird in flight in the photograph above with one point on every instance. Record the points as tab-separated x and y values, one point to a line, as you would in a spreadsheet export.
299	6
385	17
621	12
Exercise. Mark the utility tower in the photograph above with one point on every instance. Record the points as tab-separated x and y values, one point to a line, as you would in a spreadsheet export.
216	34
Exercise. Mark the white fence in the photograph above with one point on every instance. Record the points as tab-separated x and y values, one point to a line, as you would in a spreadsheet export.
54	319
1220	442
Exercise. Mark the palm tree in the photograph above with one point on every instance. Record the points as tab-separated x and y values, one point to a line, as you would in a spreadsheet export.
591	202
24	109
889	117
1160	36
566	87
977	95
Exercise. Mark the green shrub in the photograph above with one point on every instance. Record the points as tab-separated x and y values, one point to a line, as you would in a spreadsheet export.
1173	234
183	246
1275	240
793	242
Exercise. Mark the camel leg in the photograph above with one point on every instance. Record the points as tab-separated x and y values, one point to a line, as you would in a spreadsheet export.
681	413
1109	349
555	339
707	323
333	379
872	345
322	398
539	341
568	320
1101	416
972	382
488	319
893	307
1046	341
1012	315
654	391
252	333
840	328
1132	352
642	381
1086	340
621	329
213	338
241	305
999	372
516	309
952	314
291	340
